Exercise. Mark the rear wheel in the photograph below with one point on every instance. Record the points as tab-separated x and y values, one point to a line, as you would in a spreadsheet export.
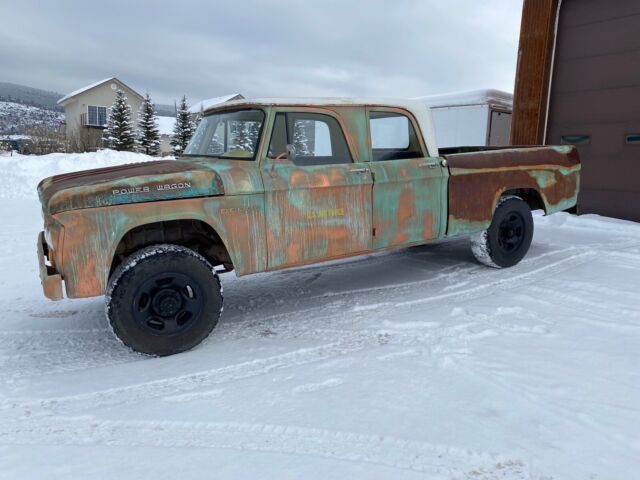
163	299
508	238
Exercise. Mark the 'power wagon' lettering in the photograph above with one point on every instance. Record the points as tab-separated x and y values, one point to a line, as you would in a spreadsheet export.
146	189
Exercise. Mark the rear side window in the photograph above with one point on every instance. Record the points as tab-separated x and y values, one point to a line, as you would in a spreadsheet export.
393	137
317	138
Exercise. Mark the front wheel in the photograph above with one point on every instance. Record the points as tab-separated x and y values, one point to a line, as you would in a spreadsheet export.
163	299
508	238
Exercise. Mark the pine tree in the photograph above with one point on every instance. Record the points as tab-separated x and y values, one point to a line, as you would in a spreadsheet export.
148	137
301	136
183	130
119	134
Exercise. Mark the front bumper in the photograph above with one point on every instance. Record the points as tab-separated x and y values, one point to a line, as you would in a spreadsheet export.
50	278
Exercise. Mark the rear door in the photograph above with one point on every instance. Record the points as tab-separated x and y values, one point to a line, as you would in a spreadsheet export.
318	204
408	186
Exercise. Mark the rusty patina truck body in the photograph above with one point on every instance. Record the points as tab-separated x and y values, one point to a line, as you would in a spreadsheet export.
272	184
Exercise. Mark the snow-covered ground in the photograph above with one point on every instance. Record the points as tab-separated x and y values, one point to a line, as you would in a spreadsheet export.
418	363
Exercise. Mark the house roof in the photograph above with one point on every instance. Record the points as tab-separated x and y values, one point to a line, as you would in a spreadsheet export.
94	85
496	98
203	105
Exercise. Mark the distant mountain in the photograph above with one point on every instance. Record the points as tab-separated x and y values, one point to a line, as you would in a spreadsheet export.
165	110
11	92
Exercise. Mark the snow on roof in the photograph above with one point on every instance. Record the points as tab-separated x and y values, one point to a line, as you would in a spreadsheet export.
166	124
496	98
93	85
212	102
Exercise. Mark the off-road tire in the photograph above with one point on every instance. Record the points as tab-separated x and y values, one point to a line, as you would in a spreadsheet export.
163	299
508	238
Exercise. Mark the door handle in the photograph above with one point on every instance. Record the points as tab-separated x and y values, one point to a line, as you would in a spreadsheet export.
359	170
429	164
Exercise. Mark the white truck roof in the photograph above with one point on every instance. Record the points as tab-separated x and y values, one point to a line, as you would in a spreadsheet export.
419	110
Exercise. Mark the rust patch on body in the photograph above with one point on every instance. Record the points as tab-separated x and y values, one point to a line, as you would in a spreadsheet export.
479	179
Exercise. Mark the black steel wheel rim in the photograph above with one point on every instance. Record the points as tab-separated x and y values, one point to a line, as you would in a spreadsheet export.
167	304
511	232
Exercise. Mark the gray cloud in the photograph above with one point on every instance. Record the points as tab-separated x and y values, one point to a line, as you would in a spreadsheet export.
263	48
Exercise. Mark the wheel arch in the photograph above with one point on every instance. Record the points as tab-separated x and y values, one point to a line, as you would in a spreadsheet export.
531	196
193	233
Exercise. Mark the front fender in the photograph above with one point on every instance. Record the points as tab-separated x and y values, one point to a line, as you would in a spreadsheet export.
92	235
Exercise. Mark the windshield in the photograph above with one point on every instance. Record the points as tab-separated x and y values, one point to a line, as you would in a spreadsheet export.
227	135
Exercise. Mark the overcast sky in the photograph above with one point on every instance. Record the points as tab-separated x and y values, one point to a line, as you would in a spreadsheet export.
206	48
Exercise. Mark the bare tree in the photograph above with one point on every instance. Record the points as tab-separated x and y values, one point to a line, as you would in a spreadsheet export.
86	140
44	140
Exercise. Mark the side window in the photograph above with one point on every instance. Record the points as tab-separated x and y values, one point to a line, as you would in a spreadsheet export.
317	138
393	137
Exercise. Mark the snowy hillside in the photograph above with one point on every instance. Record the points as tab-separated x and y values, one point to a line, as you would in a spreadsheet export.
18	118
413	364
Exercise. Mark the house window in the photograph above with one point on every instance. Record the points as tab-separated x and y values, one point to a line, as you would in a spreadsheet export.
575	139
632	139
96	116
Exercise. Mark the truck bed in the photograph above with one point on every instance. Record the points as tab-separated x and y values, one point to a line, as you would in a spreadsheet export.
546	177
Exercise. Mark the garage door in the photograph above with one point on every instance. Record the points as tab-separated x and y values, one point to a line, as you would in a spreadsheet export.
595	101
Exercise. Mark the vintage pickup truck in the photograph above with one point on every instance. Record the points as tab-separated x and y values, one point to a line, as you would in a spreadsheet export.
276	183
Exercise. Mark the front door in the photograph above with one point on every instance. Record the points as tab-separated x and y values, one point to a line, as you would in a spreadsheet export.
318	200
409	185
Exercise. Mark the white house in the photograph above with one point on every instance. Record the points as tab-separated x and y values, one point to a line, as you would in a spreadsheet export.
86	110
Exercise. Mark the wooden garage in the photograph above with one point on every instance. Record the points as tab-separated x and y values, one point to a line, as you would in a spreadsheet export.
578	82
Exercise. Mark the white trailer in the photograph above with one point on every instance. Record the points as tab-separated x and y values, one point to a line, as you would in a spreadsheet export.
474	118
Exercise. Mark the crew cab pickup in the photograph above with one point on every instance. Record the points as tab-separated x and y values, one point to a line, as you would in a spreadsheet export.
277	183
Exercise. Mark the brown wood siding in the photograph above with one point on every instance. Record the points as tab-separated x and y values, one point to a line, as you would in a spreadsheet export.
533	71
596	92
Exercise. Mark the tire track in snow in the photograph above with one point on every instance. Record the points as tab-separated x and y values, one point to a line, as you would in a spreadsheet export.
172	386
333	314
591	308
72	353
25	354
524	391
402	454
338	305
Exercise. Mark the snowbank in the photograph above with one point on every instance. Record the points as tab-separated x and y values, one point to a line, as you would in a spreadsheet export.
20	174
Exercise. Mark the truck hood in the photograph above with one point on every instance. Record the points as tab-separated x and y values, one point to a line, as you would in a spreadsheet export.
133	183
